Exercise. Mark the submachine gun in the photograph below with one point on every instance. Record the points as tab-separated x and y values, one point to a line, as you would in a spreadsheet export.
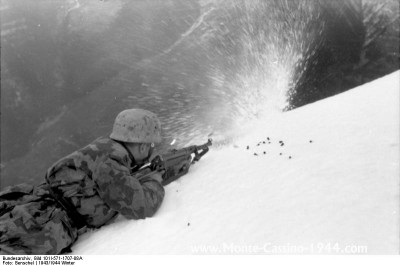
176	162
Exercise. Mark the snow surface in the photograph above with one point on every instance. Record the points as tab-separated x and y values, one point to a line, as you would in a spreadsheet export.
340	189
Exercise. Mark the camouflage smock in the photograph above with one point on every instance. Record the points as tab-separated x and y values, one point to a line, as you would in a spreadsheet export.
31	222
99	180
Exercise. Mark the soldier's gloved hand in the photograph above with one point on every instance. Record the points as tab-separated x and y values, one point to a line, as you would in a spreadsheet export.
146	173
158	176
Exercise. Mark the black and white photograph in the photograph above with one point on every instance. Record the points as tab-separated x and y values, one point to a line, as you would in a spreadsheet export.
199	127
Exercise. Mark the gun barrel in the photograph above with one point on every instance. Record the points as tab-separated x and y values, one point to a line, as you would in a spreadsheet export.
205	145
204	149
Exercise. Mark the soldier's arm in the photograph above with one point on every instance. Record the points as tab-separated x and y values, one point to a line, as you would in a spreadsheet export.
126	194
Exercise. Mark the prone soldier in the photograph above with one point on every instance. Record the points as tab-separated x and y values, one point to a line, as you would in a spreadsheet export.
85	189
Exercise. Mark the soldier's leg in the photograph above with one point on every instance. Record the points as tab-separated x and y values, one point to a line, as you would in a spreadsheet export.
36	228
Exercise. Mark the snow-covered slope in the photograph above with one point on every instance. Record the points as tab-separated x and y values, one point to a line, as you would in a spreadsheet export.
332	187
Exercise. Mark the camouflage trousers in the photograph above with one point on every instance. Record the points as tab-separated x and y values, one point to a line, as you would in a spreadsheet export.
31	222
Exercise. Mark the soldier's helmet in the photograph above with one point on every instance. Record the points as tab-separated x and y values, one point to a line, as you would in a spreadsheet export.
137	126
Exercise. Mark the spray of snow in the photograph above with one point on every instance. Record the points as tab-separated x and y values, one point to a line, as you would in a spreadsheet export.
256	80
234	65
